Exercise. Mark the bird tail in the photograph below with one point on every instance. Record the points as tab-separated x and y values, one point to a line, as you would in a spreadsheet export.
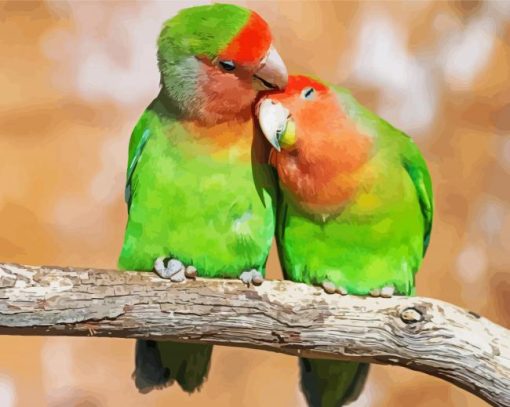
331	383
160	364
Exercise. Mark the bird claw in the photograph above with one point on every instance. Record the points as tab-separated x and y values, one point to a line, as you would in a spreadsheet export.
341	291
330	288
384	292
375	292
173	270
387	291
252	277
191	272
159	267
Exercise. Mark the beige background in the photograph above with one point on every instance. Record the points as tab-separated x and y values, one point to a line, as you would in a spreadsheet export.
75	76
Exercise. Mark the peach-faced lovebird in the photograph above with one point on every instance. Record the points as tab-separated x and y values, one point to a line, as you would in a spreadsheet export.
199	190
355	213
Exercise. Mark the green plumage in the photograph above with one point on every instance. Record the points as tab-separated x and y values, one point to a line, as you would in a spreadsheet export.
205	202
196	203
377	240
381	235
206	207
202	30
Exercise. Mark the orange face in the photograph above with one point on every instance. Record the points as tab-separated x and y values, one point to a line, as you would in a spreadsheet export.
318	149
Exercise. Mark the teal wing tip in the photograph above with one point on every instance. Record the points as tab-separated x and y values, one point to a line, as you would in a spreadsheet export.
308	384
326	384
149	371
132	165
357	384
160	364
127	194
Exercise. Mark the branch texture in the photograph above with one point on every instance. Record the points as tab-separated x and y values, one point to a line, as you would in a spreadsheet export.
422	334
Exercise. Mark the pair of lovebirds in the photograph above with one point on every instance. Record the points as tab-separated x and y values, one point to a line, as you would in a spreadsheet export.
348	195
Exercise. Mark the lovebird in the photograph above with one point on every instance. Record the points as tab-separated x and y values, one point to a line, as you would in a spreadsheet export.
200	192
355	212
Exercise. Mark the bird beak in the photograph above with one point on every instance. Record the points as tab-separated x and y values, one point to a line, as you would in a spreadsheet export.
272	74
273	117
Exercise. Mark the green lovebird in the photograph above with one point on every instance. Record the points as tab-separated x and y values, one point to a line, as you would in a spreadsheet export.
355	212
200	193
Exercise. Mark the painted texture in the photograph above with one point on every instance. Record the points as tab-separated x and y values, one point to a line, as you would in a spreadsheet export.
195	168
355	210
356	193
219	205
438	70
281	316
197	189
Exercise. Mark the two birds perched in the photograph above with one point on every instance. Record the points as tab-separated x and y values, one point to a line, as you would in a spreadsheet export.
213	173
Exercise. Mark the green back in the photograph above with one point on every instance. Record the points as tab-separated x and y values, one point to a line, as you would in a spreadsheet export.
409	156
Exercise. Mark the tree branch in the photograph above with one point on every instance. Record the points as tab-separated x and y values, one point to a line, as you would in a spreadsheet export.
418	333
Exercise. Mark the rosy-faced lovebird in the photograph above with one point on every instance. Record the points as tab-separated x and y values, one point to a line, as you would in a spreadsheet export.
355	211
200	193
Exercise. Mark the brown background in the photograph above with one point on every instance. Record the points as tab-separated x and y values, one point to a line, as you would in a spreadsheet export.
75	76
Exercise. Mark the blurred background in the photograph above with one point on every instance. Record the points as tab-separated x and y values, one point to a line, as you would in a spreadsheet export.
75	77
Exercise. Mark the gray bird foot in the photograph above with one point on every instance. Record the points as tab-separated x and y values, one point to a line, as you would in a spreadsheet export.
251	277
330	288
173	270
385	292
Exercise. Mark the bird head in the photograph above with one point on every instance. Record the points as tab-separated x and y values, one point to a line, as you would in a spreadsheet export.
214	59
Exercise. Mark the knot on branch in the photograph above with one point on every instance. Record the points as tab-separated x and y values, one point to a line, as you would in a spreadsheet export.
411	315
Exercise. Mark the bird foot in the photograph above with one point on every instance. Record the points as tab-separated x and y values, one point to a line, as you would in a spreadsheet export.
330	288
174	270
251	277
385	292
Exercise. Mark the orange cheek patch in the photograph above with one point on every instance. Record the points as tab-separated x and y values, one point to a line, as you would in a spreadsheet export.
298	82
224	96
251	43
323	172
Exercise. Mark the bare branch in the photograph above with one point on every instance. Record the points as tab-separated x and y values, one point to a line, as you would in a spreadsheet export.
422	334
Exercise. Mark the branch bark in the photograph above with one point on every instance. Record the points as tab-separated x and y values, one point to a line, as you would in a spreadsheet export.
422	334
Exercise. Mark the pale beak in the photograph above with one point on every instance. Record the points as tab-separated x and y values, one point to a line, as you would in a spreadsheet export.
272	74
273	117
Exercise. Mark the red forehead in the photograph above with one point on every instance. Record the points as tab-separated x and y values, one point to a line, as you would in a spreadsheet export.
294	87
298	82
251	43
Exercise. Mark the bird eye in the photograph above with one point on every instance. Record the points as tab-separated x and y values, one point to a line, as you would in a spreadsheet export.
228	65
308	93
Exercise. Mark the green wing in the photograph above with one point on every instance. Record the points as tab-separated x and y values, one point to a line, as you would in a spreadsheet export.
139	137
417	169
148	123
411	158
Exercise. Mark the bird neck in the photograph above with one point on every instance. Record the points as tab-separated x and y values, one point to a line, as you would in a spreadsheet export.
323	173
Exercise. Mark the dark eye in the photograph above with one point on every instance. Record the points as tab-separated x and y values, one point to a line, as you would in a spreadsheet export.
227	65
308	93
